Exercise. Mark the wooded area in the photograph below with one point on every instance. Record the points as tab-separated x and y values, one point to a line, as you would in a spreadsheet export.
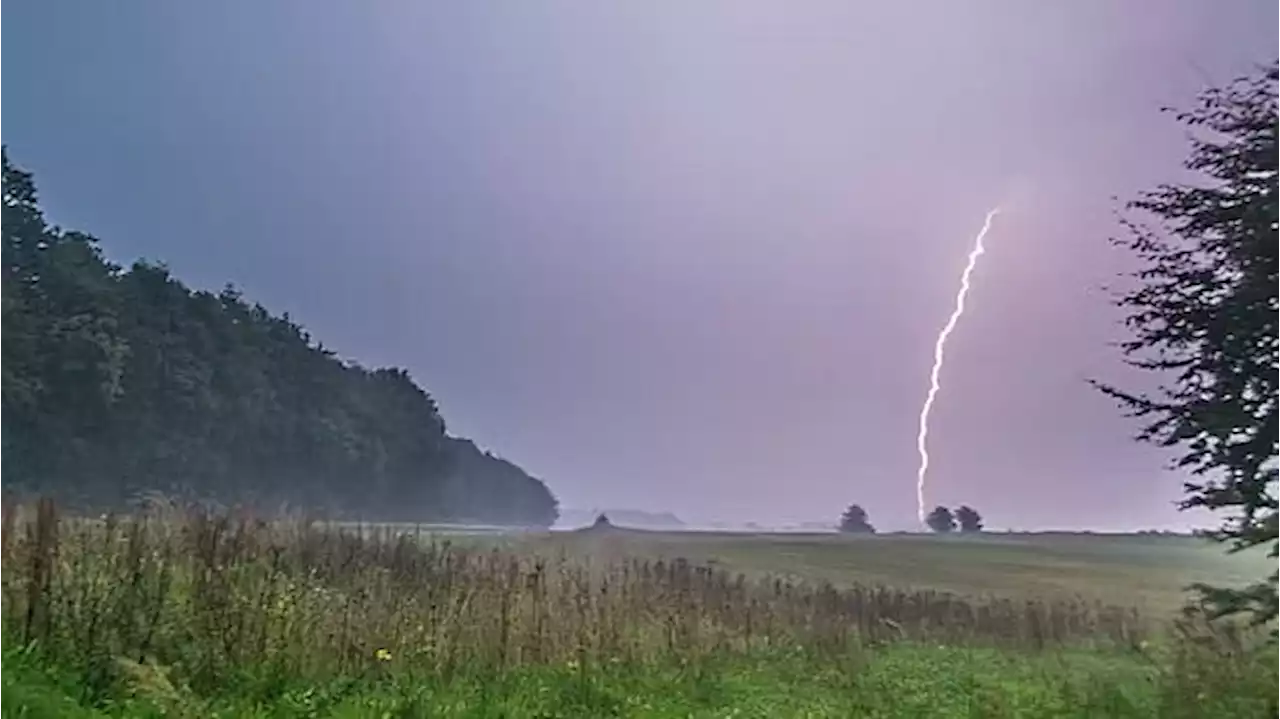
121	382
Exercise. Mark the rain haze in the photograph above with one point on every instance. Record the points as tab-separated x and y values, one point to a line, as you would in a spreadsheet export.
665	256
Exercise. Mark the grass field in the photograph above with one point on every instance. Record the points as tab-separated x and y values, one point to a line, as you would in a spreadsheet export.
1148	572
188	615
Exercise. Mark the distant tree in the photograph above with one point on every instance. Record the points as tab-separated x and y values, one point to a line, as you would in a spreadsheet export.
941	520
968	519
1203	313
855	521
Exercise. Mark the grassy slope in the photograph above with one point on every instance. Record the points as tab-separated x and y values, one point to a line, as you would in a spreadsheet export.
1148	572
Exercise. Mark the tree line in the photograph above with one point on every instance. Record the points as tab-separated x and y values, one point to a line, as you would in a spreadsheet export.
119	382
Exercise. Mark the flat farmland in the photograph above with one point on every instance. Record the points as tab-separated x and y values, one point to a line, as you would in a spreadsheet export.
1149	572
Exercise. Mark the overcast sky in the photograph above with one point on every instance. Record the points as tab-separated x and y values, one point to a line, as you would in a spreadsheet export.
665	255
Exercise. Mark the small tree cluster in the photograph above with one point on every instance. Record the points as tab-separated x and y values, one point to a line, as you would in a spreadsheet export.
964	519
944	521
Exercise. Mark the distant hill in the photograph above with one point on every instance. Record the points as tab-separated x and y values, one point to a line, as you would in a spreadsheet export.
633	518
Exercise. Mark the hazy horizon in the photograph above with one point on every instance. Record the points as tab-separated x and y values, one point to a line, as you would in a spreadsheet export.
684	260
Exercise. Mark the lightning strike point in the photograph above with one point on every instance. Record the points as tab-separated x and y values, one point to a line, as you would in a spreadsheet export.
939	354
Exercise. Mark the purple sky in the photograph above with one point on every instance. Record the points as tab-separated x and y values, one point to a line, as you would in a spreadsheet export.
685	256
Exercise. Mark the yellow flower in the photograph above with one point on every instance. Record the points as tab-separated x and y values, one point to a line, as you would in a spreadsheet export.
382	655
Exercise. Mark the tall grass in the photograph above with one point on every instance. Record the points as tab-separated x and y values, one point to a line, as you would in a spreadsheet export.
212	598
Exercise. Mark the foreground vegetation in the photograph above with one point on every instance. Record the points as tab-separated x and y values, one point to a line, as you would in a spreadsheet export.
183	613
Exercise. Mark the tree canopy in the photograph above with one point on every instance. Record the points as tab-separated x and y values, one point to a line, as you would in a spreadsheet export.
968	518
941	520
855	521
1203	318
118	382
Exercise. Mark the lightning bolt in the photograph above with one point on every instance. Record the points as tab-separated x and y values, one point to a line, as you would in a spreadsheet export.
939	352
